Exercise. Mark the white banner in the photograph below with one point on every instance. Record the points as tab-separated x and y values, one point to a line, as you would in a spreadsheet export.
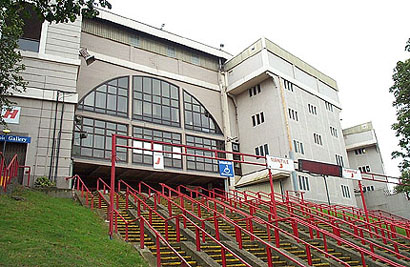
158	161
281	164
351	174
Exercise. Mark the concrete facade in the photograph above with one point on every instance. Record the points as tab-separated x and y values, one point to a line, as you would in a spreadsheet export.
300	106
52	75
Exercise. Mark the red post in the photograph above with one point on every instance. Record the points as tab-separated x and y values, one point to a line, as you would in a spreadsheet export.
141	232
126	231
177	228
272	194
223	257
158	251
112	184
126	198
197	239
309	255
269	256
363	201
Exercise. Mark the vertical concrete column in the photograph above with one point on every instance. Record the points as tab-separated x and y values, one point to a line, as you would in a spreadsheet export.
226	121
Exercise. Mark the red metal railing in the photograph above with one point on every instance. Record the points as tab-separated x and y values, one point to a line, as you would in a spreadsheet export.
239	230
142	223
177	217
201	227
8	171
79	185
333	223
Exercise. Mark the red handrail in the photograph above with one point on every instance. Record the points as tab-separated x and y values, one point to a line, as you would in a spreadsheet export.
8	172
239	229
302	220
84	189
200	228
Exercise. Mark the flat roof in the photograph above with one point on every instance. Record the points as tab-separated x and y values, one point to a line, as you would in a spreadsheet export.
154	31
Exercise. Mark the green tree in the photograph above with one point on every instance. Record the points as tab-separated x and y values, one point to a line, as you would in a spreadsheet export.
401	92
405	187
11	23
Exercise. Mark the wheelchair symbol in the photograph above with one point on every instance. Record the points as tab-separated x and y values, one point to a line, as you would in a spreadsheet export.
226	170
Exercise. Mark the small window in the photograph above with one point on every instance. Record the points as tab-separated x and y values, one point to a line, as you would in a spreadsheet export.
195	59
254	90
30	40
345	191
257	151
312	109
317	139
288	85
293	114
304	183
262	150
258	119
298	146
339	160
171	52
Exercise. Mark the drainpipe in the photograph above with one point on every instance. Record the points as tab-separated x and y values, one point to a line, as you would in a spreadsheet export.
59	139
284	108
54	136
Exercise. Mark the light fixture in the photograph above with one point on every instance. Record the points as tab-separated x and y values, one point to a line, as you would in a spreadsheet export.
6	131
89	59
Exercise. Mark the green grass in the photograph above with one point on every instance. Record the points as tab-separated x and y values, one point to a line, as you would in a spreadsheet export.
46	231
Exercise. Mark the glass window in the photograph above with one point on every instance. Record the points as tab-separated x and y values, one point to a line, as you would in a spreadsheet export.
201	164
146	157
30	40
197	118
110	98
160	101
97	144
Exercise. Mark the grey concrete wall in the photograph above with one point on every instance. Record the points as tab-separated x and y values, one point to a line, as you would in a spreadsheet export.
54	68
380	200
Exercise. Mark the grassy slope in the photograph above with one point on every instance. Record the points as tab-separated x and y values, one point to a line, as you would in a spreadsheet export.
46	231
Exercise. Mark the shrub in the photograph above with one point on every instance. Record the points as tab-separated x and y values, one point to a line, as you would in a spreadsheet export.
43	182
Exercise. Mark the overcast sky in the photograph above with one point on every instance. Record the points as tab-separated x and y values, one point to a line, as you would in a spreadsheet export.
355	42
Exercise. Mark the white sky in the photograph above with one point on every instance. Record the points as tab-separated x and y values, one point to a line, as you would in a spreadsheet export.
355	42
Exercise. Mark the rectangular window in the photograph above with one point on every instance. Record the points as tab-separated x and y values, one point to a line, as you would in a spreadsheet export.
345	191
304	183
146	157
258	119
30	40
312	109
293	114
171	52
360	151
298	146
262	150
339	160
92	138
195	59
333	131
364	169
329	106
254	90
199	163
288	85
317	139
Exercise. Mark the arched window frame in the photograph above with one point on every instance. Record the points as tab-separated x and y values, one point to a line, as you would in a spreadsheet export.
110	97
193	108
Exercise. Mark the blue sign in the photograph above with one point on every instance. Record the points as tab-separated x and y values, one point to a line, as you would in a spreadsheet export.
15	139
226	168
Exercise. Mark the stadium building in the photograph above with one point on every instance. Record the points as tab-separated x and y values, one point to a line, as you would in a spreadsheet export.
137	80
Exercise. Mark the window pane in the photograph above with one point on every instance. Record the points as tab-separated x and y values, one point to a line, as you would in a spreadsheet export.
147	85
111	102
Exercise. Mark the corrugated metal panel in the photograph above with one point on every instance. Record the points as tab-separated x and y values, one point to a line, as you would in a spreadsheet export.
124	36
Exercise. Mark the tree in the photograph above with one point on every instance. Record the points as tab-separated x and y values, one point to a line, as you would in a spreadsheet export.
405	186
401	92
11	24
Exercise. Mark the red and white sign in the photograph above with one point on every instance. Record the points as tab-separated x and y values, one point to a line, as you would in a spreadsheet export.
351	174
11	115
280	164
158	161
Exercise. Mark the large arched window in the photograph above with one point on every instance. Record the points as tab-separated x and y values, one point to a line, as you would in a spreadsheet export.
109	98
155	101
197	118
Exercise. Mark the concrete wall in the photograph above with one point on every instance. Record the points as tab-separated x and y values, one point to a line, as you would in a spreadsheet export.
380	200
53	68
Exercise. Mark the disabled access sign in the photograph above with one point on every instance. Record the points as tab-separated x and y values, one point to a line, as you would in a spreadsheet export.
226	168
